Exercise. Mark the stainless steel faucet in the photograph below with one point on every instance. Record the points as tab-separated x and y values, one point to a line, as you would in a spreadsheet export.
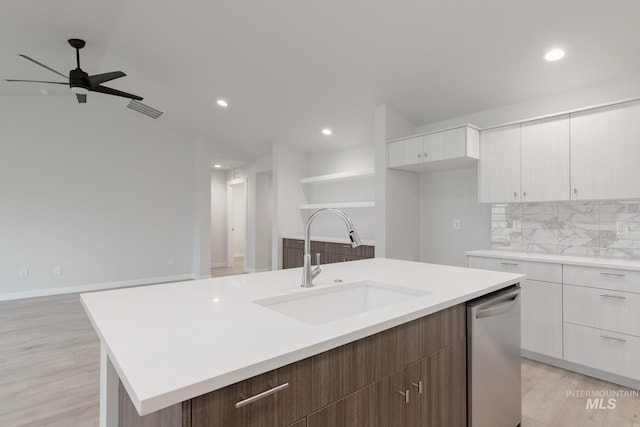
307	274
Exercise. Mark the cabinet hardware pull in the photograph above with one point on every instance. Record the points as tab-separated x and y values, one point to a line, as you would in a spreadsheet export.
346	246
613	296
613	274
608	337
418	385
515	194
262	395
512	264
575	191
524	193
425	155
405	394
419	155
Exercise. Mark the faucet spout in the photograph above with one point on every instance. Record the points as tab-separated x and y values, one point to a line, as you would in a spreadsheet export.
307	273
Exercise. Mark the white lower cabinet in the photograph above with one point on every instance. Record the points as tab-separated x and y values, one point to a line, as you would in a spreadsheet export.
604	350
542	317
541	305
581	314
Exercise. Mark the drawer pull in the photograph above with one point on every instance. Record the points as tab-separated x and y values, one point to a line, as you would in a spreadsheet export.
418	385
614	274
610	338
405	394
262	395
511	264
621	298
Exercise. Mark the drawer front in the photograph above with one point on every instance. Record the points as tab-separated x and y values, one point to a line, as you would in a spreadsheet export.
602	308
604	350
279	409
542	271
293	243
605	278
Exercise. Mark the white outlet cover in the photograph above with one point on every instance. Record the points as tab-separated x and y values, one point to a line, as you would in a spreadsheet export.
517	225
57	270
23	273
456	224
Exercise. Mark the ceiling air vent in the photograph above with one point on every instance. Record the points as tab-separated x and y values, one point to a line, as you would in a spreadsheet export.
144	109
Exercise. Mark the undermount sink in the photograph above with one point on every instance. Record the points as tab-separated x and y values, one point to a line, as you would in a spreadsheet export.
324	305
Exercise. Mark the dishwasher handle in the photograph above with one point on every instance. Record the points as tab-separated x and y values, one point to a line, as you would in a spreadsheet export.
500	306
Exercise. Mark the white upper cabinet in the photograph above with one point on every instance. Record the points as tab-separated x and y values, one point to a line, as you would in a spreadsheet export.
499	169
406	152
448	149
544	165
605	153
527	162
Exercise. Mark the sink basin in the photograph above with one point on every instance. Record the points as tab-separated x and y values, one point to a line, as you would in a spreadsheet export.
324	305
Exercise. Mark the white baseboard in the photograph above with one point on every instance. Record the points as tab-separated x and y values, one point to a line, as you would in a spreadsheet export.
257	270
584	370
94	287
218	264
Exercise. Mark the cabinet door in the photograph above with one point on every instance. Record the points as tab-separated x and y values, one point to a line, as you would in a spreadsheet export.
377	405
406	152
499	168
544	154
445	145
542	317
448	387
605	148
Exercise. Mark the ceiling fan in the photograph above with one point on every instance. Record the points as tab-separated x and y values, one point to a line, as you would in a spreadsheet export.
79	81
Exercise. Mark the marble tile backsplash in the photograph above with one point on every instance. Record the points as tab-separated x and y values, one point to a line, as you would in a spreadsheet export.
602	228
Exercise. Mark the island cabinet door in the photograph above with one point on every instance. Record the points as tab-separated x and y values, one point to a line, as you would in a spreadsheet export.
378	405
447	389
274	399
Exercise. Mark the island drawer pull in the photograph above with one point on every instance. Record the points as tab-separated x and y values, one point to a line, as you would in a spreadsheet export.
262	395
621	298
512	264
405	394
610	338
613	274
418	385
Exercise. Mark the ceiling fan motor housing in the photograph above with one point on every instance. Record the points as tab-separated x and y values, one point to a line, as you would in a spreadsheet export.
78	78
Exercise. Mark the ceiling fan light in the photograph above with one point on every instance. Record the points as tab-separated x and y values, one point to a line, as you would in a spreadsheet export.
79	90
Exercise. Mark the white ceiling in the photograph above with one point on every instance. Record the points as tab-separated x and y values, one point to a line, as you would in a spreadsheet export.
291	67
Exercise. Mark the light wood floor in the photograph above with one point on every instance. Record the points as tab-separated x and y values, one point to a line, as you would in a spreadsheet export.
49	374
237	268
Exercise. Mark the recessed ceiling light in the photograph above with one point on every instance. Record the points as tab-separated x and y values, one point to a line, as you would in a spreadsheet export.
326	131
222	103
217	166
554	55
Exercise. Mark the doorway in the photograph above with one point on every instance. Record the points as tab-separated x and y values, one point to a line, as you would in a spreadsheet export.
236	224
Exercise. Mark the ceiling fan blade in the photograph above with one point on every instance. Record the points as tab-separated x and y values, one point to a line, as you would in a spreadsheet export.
82	99
44	66
109	91
35	81
101	78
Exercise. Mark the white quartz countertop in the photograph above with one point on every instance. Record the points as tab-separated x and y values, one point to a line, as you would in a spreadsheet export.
175	341
598	262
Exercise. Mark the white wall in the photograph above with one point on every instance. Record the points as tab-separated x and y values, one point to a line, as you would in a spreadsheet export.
98	189
606	92
218	219
396	192
289	165
264	208
445	196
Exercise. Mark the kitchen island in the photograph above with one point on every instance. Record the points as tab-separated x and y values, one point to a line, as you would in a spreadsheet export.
165	346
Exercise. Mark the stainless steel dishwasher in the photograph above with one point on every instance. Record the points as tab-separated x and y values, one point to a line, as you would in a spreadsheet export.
493	359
